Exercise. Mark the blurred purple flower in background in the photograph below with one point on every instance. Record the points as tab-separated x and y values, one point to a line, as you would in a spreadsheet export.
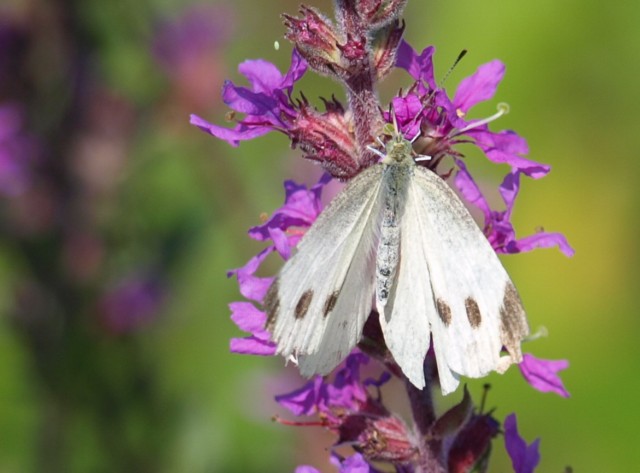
189	49
81	208
132	303
17	151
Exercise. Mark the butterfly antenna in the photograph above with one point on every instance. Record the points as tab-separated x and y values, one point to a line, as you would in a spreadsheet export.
462	54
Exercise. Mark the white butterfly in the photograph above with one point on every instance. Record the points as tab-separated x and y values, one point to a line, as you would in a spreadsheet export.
397	238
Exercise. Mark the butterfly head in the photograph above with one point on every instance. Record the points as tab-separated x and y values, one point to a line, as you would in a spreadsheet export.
398	150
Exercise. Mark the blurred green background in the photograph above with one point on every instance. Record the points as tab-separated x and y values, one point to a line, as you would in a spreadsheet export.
107	97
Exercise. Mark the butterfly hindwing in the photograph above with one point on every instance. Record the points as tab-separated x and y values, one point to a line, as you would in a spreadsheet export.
477	307
319	302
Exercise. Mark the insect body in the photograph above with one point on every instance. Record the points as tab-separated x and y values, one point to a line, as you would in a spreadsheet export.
399	240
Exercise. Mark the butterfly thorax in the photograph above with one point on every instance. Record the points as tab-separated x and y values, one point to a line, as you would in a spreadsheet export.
398	151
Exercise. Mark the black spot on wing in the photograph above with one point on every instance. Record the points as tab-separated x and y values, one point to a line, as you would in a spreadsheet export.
272	305
513	322
303	304
330	303
473	312
444	311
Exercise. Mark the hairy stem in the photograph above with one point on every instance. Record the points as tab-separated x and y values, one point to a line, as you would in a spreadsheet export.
429	449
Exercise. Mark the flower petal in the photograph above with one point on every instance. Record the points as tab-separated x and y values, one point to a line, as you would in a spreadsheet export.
470	190
543	374
262	75
354	464
480	86
523	458
508	147
420	67
247	317
296	70
233	136
253	287
540	240
303	401
252	346
306	469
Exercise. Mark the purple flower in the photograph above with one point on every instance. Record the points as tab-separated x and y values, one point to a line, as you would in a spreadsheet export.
543	374
356	463
325	137
249	319
267	104
16	151
284	228
497	224
353	464
317	396
524	458
345	406
132	303
306	469
441	122
199	30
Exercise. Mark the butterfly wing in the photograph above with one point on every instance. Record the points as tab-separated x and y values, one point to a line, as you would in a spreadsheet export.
475	309
319	302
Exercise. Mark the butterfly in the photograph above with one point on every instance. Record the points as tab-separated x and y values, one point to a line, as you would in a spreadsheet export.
397	239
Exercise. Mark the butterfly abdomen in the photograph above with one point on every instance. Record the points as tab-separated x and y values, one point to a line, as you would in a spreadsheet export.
395	183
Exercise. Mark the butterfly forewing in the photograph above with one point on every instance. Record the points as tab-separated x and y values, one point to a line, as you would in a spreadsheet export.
318	304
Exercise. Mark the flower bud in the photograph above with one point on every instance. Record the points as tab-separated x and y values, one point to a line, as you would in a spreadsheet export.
315	37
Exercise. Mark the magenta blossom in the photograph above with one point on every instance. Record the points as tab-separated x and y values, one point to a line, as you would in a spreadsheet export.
252	320
427	111
497	224
200	30
346	406
353	464
132	303
524	458
267	105
346	392
543	374
284	228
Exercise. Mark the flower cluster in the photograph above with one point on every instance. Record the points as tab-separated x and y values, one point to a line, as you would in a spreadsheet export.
357	51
